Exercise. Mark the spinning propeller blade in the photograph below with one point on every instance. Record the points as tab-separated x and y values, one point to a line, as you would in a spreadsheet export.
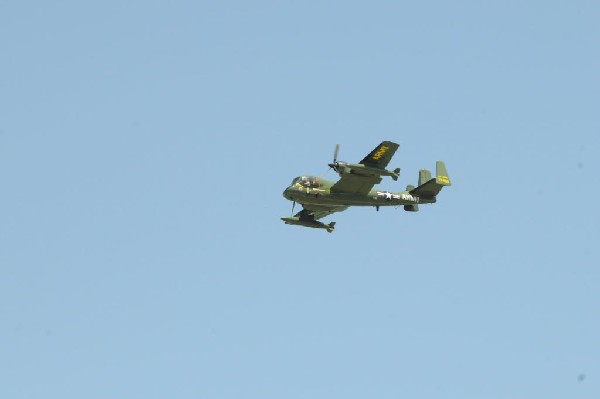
334	165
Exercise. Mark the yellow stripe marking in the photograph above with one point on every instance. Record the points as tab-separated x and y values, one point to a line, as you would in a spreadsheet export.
443	179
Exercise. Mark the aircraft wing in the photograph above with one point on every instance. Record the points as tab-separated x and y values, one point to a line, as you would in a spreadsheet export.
355	184
315	212
381	156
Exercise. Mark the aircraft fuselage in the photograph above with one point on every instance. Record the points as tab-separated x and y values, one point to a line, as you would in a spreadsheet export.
322	195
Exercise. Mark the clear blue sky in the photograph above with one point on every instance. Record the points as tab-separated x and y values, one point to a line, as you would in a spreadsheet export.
144	147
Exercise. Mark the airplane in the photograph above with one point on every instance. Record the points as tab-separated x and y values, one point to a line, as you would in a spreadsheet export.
320	197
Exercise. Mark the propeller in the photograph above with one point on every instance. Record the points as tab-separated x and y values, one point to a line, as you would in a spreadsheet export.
293	205
335	164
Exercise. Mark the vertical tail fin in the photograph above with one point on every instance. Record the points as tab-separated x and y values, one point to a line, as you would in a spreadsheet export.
424	176
442	174
429	187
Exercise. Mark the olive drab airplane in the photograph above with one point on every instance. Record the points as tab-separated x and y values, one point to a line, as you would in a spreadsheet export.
320	197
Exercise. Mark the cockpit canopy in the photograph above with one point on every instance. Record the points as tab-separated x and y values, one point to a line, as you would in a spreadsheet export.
306	181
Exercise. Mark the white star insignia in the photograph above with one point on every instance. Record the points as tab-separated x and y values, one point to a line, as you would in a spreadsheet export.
387	195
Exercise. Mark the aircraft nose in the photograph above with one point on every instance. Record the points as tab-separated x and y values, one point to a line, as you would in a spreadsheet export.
286	193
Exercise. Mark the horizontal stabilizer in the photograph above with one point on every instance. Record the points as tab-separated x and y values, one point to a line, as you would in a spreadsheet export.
428	190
